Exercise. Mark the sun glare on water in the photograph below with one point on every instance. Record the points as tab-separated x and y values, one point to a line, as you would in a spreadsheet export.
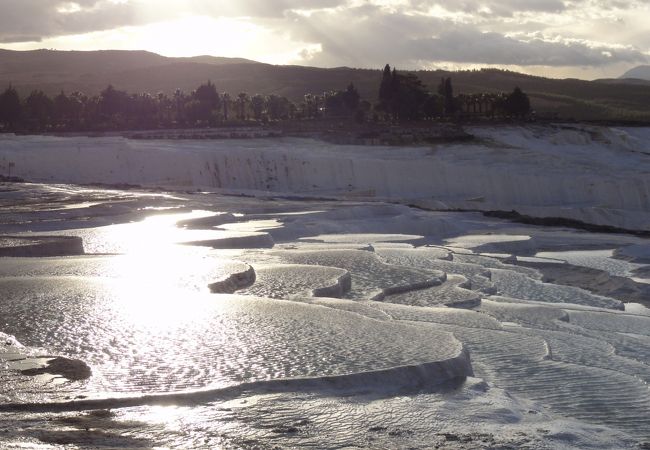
150	280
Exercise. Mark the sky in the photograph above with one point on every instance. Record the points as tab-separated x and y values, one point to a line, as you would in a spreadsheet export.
585	39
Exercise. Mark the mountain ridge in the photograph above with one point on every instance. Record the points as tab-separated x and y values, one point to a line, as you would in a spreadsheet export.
141	71
638	72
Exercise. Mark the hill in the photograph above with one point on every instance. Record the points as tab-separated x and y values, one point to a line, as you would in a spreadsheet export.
640	72
140	71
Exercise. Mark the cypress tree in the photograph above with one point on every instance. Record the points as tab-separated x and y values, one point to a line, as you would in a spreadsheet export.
384	87
450	106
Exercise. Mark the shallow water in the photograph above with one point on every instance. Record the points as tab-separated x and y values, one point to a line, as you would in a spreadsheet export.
338	340
595	259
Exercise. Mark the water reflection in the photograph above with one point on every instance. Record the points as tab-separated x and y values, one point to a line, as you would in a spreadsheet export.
156	276
156	234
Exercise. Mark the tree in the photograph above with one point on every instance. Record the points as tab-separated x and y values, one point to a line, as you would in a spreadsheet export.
179	101
78	104
164	110
313	104
448	94
393	90
278	107
207	93
385	91
61	109
10	108
434	106
207	102
38	110
195	112
112	106
342	103
142	110
403	96
517	103
227	104
257	105
441	87
409	98
242	103
351	98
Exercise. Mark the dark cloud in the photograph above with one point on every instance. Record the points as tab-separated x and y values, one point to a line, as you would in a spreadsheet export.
28	20
470	46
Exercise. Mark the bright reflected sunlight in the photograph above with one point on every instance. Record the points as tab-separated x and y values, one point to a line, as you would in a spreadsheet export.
153	279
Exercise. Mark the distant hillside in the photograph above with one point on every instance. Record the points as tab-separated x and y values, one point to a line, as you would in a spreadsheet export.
90	72
569	98
640	72
140	71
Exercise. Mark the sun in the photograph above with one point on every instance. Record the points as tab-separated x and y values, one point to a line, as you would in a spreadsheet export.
199	35
185	36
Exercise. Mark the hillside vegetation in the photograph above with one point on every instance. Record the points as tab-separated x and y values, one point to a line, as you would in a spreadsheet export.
139	71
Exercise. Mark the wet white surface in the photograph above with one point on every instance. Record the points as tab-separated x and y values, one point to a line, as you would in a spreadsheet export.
343	339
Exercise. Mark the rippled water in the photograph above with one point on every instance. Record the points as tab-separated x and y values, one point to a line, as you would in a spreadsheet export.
367	339
596	259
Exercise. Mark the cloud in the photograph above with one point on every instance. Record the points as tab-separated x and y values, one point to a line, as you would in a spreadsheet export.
26	20
370	36
254	8
369	33
503	8
470	46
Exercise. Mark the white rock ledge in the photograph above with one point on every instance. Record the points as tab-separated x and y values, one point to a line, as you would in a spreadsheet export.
233	282
417	376
593	174
40	246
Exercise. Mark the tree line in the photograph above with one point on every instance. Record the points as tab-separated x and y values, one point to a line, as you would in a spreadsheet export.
114	109
401	97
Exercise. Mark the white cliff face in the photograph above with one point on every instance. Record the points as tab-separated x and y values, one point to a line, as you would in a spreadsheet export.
595	174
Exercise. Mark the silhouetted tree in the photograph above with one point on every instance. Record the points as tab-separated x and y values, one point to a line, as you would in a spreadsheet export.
112	107
142	111
342	103
393	90
196	113
363	111
242	104
207	93
227	105
164	114
447	91
278	107
385	91
351	98
313	105
434	106
206	102
257	105
409	98
517	103
61	110
10	108
38	110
